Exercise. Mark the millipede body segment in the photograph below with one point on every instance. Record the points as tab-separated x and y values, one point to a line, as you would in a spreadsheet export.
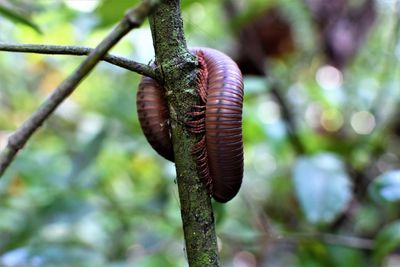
218	118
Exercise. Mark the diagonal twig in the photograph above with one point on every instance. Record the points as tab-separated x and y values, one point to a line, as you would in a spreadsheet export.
79	51
132	19
288	119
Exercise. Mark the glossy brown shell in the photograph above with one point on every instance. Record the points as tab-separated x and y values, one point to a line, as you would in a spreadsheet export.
223	123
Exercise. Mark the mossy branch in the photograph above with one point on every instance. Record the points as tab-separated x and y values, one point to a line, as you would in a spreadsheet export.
178	69
132	19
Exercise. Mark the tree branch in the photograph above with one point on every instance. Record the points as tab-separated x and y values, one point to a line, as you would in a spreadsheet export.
326	238
332	239
178	72
132	19
288	119
122	62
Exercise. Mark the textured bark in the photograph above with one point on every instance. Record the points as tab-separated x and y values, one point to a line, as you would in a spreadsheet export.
177	70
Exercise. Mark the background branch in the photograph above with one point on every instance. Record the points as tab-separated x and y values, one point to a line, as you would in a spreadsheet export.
122	62
332	239
288	119
133	19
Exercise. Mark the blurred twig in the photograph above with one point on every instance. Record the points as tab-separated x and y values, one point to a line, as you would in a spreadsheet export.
132	19
326	238
385	125
79	51
331	239
389	65
289	120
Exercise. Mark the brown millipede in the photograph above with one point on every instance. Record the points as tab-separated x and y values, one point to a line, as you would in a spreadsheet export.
218	118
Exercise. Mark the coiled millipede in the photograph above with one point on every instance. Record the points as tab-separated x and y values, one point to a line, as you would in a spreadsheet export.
218	118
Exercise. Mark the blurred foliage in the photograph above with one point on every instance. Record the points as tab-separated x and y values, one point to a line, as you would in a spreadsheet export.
322	186
89	191
16	14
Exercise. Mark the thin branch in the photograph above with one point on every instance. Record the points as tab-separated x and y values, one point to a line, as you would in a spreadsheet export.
132	19
326	238
331	239
289	120
79	51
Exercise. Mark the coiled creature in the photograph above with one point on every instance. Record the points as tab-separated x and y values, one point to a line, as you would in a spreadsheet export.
218	119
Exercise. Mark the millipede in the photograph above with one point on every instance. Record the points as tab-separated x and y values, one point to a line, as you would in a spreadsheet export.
218	119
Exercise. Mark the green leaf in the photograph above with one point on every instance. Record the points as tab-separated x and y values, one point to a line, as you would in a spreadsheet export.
110	11
322	186
18	16
386	187
387	240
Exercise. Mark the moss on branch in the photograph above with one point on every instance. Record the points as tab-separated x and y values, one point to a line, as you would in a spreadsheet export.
177	69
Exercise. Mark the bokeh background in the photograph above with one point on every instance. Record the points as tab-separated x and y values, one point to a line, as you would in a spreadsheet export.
321	133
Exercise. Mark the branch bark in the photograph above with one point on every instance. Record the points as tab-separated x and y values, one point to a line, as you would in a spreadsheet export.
122	62
132	19
177	70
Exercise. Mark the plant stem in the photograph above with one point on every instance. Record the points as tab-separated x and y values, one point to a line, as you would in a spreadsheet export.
178	72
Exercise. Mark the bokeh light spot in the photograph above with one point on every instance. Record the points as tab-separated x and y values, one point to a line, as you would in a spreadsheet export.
269	112
331	120
313	115
363	122
329	77
244	259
